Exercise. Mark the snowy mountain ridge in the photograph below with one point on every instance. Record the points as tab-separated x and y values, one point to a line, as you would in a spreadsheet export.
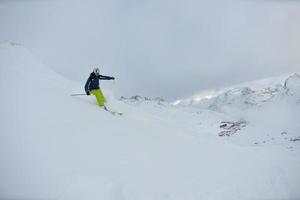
250	94
245	95
139	99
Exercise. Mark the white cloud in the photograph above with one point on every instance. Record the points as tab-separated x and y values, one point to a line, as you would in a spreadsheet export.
160	48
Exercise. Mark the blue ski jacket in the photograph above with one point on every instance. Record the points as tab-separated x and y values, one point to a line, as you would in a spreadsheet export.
93	81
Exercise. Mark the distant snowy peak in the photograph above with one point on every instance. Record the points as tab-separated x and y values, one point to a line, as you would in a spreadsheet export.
139	99
292	84
250	94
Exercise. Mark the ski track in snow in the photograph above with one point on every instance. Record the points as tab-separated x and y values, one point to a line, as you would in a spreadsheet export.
53	146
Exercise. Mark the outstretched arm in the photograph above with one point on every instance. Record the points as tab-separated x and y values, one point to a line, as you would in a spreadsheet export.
101	77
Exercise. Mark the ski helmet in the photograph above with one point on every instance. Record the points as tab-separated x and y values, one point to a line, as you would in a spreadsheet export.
96	70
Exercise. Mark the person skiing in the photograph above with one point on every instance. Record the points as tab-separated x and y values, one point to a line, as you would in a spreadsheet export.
92	85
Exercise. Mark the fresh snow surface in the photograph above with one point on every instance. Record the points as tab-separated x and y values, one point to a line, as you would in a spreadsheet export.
54	146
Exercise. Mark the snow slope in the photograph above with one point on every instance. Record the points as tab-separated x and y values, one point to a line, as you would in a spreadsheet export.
54	146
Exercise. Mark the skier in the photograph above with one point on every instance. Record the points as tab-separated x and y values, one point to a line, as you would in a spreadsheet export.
92	85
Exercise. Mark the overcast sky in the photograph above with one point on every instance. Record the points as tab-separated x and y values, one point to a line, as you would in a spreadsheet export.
167	48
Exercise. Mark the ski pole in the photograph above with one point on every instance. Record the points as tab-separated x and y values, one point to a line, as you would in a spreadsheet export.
77	94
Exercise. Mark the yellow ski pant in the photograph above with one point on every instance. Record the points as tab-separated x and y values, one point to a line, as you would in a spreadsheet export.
99	96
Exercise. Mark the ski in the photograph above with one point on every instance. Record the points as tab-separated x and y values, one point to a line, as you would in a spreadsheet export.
112	112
